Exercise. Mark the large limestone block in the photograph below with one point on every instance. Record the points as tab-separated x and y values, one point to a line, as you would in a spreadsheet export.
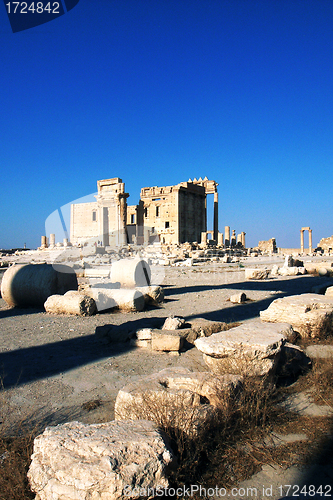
123	298
29	285
73	302
171	394
131	273
173	323
256	274
251	349
75	461
166	340
291	271
329	291
311	315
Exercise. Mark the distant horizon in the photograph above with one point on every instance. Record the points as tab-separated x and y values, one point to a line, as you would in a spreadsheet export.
159	91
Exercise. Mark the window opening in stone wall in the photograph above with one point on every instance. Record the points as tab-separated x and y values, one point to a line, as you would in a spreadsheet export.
132	218
157	211
167	224
94	216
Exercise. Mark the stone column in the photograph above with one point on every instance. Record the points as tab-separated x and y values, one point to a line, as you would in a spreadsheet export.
233	238
220	239
216	216
204	238
43	242
227	236
243	239
302	241
123	215
65	242
310	240
52	240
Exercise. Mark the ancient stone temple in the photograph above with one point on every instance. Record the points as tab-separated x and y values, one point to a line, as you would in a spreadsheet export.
103	221
170	214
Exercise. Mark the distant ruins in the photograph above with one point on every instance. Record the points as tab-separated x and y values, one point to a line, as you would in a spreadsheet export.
170	214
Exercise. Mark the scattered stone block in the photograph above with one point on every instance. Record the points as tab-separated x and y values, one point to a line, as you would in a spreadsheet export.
173	323
144	334
131	273
73	302
202	327
124	299
152	294
250	349
329	291
311	315
238	298
291	271
29	285
172	394
97	272
166	340
256	274
75	461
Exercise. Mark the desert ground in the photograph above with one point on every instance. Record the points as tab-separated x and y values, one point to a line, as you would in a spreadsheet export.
61	368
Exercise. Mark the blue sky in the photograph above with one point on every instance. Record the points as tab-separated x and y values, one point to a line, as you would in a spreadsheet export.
160	91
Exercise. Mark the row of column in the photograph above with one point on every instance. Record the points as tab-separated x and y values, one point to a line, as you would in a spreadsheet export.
45	243
302	239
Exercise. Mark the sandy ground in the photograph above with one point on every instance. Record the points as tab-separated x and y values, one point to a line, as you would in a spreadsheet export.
52	365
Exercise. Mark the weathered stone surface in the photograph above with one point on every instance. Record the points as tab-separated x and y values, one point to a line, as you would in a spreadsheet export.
238	298
131	273
144	334
173	323
166	340
125	299
75	461
251	349
202	327
329	291
152	294
29	285
172	391
97	272
311	315
73	302
291	271
256	274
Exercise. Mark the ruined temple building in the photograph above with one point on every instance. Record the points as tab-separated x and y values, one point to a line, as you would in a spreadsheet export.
171	214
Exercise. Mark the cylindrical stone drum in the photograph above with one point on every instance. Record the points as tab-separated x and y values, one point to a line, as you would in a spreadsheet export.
29	285
131	273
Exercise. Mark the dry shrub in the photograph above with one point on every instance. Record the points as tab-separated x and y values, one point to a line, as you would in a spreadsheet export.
206	438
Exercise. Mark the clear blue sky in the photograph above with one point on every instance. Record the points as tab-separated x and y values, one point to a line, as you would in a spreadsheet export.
157	91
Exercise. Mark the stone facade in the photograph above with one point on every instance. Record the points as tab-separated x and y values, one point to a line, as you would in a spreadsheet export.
326	244
169	214
104	220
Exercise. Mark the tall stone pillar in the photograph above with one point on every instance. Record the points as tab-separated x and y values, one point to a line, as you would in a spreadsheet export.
220	239
227	236
310	240
233	238
123	215
216	216
243	239
43	242
204	238
302	240
65	242
52	240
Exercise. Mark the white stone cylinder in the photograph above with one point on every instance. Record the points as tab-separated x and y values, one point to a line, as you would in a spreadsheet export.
124	299
73	302
130	273
29	285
